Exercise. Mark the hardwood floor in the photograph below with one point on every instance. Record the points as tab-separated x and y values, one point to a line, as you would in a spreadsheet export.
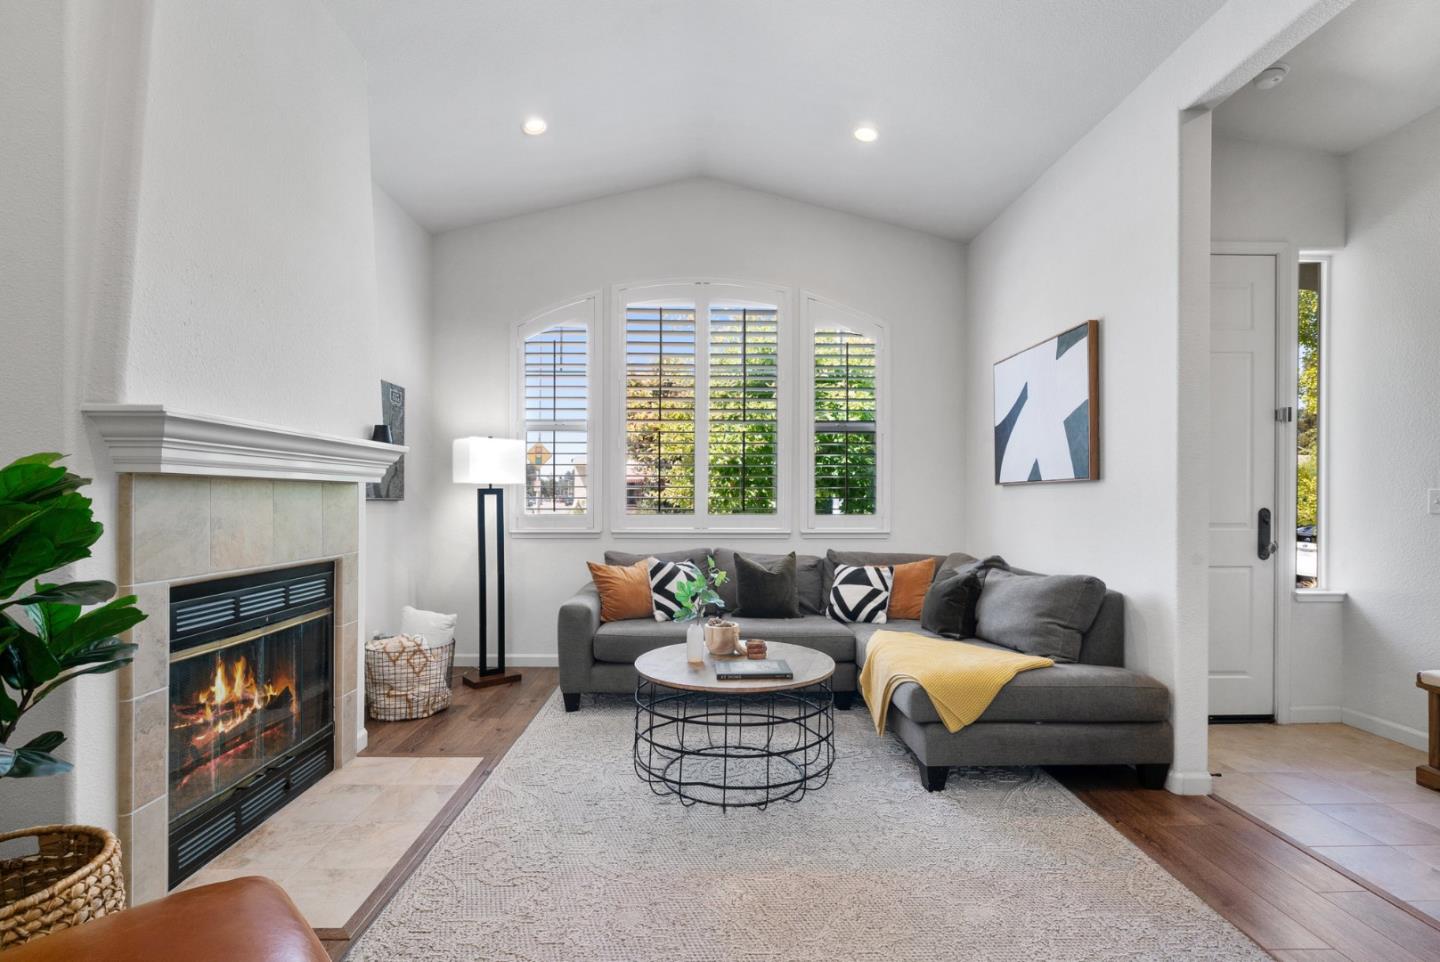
1291	903
479	721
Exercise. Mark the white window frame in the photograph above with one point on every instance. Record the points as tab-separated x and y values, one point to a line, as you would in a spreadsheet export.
817	312
702	292
585	311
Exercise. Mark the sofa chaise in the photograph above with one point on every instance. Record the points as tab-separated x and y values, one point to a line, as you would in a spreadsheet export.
1092	712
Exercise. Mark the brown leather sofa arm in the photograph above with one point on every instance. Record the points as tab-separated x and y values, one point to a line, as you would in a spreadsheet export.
244	920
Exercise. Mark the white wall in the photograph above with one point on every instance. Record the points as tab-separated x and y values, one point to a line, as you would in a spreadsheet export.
1270	192
393	549
255	262
32	295
1100	236
1384	548
187	220
1295	196
491	277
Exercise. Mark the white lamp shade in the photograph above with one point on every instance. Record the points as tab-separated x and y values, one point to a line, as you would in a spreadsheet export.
488	461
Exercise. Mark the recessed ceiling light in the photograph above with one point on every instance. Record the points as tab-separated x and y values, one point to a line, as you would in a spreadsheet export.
866	134
1272	77
534	126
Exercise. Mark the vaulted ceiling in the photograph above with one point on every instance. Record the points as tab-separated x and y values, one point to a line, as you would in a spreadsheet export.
973	99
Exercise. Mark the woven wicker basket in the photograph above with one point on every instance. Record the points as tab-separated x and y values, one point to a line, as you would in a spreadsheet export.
405	678
73	878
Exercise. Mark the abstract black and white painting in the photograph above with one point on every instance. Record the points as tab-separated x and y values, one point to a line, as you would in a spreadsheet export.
392	412
1047	419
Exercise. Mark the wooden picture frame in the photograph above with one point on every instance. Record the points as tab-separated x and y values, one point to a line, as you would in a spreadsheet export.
1046	414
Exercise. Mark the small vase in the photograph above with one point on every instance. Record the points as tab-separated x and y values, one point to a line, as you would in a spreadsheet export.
722	639
695	643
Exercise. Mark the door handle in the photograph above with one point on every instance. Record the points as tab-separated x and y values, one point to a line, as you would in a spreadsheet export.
1264	546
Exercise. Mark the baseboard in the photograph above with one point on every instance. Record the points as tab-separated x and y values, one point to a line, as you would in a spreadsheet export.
512	661
1313	714
1403	734
1187	783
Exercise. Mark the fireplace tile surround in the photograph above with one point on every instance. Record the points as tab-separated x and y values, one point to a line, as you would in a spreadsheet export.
176	529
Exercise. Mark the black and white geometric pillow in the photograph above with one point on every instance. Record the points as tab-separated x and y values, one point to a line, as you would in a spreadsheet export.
861	593
665	577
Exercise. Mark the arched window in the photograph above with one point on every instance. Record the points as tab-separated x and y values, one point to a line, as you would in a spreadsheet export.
701	418
848	462
555	360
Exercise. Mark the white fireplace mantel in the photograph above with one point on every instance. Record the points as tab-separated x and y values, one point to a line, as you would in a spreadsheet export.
153	439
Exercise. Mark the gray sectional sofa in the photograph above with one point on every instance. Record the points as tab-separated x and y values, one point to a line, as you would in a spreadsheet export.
1092	712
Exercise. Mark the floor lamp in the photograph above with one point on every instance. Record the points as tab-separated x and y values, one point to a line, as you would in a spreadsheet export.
490	463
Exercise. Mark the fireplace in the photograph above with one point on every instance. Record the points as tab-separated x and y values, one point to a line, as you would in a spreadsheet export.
251	721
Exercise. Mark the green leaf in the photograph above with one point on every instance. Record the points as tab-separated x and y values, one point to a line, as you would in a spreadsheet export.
30	763
57	536
101	669
37	664
9	710
7	760
74	593
23	477
47	742
115	618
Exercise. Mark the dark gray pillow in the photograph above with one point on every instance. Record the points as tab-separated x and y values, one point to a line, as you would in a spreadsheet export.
953	560
766	590
949	608
809	577
1044	615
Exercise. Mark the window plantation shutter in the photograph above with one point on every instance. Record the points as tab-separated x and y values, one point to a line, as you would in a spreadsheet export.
659	409
743	396
557	395
845	423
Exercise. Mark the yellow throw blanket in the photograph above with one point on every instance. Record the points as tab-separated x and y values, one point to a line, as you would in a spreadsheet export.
961	680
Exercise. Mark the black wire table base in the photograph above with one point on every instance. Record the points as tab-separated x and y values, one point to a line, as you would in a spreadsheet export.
734	750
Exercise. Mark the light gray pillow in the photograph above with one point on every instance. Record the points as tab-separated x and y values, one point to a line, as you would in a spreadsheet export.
1045	615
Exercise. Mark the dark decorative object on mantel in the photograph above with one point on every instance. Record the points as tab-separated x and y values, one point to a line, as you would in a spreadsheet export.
392	412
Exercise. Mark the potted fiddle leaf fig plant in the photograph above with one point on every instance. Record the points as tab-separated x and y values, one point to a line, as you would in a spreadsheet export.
47	640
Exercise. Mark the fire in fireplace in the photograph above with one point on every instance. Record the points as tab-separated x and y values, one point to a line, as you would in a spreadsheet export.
251	704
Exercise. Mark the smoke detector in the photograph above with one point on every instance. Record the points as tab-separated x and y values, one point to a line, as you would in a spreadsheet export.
1272	77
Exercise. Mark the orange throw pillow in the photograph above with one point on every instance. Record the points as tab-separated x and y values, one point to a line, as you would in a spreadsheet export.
907	592
624	590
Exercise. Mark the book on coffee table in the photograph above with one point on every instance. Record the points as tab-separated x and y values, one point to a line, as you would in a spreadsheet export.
745	670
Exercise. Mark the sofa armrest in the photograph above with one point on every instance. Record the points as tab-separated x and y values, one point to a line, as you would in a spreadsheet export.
575	632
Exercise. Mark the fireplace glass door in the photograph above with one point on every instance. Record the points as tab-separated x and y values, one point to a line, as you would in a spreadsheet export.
251	703
244	703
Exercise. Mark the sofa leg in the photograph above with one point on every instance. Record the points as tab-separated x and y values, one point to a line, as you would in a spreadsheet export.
1152	776
572	700
933	777
843	700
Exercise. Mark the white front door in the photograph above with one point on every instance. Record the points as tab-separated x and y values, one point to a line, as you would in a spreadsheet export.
1242	484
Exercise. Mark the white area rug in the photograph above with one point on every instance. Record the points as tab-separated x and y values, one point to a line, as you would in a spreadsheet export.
565	856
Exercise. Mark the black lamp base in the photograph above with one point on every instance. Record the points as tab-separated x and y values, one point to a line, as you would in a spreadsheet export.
490	678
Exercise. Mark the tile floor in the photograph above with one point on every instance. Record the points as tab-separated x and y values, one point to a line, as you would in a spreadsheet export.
1348	795
331	847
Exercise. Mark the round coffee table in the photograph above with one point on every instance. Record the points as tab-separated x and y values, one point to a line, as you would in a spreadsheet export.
734	744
